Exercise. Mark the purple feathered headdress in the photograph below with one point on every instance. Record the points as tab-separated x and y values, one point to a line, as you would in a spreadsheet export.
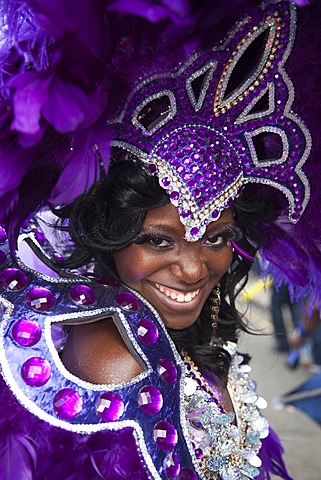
66	66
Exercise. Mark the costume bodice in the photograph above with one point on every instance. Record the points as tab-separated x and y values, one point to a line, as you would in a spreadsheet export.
178	424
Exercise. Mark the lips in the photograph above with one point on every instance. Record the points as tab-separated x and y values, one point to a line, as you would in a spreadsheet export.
176	295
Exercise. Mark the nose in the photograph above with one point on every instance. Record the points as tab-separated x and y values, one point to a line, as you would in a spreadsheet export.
190	265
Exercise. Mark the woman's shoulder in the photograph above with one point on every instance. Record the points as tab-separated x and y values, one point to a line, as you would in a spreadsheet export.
96	352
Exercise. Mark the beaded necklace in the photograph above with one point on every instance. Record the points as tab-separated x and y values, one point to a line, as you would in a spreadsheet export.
226	444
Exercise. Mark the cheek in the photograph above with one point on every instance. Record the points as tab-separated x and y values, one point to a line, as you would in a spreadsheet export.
130	267
223	262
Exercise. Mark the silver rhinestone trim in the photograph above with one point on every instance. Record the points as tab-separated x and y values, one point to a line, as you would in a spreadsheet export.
209	68
285	144
270	24
245	115
169	115
93	316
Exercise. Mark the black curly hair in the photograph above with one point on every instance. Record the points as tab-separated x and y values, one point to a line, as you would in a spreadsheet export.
109	216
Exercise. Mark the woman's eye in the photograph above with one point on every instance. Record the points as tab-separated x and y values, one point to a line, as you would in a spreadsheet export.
159	242
153	241
215	241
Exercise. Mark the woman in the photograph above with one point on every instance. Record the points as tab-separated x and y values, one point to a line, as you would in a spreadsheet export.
206	166
183	411
139	239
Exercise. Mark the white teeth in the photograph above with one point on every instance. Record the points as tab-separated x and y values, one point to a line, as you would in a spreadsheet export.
178	296
188	297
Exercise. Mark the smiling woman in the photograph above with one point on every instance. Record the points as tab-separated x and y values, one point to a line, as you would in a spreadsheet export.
166	137
175	276
186	282
140	240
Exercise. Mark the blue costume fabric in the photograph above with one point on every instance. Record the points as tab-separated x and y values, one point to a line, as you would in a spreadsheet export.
166	422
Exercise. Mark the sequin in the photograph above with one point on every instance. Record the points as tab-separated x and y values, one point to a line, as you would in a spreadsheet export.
167	370
13	279
82	295
3	235
128	301
40	299
172	465
147	331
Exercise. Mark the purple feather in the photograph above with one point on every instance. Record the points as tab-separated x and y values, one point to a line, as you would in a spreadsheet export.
16	459
31	449
271	456
65	63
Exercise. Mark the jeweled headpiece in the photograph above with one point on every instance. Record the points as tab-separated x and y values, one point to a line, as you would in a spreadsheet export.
222	120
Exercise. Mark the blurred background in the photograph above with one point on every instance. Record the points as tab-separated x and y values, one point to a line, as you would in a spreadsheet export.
300	435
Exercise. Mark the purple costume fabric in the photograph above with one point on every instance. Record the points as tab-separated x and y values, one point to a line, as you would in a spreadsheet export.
66	65
42	438
31	449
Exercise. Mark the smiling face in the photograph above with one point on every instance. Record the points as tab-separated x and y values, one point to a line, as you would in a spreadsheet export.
174	275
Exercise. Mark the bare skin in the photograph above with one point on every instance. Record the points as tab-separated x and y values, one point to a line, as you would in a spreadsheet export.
165	264
96	352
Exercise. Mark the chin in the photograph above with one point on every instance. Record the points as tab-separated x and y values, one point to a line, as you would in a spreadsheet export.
177	325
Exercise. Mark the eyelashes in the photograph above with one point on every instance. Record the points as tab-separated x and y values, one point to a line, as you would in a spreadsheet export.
215	240
154	239
231	233
219	240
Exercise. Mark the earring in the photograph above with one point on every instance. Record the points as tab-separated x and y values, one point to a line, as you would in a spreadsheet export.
229	244
215	299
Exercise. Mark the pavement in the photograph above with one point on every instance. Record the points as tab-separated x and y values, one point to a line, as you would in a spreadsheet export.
301	436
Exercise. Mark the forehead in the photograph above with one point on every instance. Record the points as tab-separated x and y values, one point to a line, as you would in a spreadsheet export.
167	217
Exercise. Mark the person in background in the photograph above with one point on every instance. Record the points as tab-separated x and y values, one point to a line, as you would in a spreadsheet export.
280	300
308	331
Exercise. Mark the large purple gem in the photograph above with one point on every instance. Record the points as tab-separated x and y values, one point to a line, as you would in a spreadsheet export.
147	331
187	474
36	371
165	435
26	332
127	301
67	403
40	299
13	279
82	295
167	370
150	399
3	256
172	465
3	235
110	407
